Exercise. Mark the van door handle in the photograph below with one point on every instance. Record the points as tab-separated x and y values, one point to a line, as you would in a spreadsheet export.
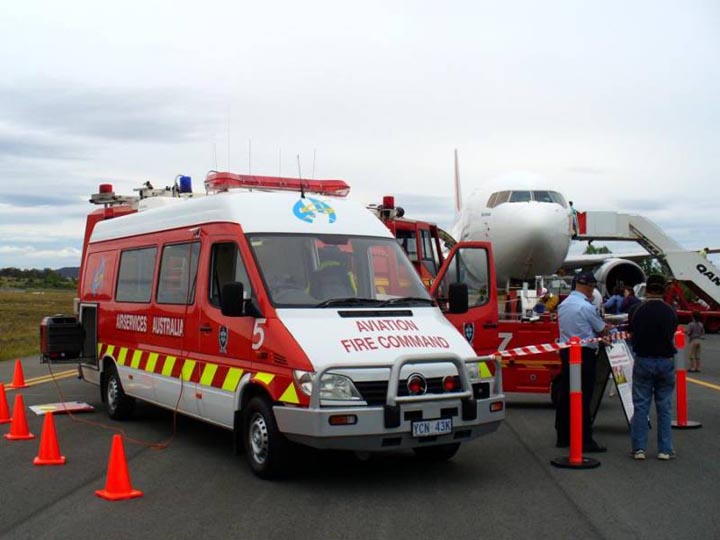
206	329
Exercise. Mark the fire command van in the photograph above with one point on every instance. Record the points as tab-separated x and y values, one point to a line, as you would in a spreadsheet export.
282	311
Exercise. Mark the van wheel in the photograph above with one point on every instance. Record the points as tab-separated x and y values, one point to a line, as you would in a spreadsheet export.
266	449
119	406
441	452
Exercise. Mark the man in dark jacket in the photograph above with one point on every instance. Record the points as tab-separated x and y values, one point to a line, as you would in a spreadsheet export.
653	325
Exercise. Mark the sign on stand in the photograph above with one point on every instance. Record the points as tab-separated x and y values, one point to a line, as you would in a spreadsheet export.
621	362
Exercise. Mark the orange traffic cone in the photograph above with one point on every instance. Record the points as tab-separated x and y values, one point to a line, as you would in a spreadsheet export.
4	412
49	453
18	376
117	485
19	426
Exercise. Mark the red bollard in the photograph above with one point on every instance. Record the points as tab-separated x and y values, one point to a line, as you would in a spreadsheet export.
576	459
681	385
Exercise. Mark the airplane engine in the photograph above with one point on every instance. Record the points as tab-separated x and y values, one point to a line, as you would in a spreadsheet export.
618	271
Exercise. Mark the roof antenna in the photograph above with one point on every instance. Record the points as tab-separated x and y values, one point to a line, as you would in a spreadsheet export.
302	187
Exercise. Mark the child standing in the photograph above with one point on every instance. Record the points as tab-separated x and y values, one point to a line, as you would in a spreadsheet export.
695	332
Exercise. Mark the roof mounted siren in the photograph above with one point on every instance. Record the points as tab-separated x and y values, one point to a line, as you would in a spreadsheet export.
387	210
218	182
106	196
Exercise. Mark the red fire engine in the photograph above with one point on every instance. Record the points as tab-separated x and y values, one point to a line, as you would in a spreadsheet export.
482	324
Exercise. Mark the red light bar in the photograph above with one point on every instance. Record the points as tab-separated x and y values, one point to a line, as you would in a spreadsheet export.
222	181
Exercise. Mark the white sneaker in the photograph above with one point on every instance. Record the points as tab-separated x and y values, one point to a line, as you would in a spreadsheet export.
663	456
640	454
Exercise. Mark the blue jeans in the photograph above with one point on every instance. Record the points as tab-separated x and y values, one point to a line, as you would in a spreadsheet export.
652	377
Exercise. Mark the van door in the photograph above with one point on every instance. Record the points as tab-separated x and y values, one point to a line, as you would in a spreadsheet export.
173	326
471	263
223	343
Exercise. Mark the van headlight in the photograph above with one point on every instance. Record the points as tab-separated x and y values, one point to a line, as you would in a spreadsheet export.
332	386
473	369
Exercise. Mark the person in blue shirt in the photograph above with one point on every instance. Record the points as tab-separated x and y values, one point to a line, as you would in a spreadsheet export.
578	317
629	301
613	305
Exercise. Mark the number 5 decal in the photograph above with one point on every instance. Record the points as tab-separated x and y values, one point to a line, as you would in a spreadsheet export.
259	331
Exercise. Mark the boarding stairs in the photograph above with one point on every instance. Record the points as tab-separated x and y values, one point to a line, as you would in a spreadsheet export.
688	266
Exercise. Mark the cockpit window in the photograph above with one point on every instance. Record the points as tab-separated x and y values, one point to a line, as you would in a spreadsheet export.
520	196
542	196
558	198
491	200
497	198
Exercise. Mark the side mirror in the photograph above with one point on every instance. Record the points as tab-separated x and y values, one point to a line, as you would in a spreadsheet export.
232	301
458	298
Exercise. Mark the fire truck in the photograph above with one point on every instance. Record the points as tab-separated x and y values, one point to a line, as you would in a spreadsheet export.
483	325
282	311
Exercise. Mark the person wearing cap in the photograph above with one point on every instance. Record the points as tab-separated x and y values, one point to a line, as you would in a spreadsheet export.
652	324
578	317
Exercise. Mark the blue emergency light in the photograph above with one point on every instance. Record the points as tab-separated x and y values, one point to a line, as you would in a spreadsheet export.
185	184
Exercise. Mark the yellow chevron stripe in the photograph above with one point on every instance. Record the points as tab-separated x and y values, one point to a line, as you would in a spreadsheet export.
137	356
152	362
168	367
187	370
110	350
122	355
208	374
484	370
290	395
232	379
100	346
264	377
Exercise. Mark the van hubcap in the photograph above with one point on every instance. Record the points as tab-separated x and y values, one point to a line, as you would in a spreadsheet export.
112	393
259	441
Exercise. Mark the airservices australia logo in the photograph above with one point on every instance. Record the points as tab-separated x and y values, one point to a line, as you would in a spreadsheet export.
308	209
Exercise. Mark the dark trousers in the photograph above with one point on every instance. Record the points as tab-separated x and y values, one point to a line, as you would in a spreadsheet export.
562	413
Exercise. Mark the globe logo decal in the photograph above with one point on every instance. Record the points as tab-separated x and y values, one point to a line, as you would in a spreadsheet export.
308	209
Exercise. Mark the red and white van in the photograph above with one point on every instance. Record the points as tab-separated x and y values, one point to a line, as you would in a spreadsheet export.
279	312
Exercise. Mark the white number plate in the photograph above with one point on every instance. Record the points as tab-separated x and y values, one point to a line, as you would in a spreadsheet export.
428	428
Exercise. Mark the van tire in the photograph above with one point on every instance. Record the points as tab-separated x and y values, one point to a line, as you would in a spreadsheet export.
441	452
266	449
119	405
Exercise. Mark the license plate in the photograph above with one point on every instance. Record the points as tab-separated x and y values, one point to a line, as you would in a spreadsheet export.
429	428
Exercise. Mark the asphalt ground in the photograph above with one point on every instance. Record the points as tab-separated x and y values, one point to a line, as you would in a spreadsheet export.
500	486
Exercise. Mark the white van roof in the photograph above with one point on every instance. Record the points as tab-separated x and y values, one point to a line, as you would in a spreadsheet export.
255	211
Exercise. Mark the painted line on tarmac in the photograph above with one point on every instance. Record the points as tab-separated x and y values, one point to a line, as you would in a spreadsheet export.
47	378
703	383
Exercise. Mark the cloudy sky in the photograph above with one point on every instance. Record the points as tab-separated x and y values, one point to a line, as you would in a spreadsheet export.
616	104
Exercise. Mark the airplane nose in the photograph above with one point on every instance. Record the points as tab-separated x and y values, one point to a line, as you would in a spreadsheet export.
541	239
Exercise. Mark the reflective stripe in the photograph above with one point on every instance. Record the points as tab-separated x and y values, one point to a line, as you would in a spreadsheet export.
100	346
110	350
208	374
484	370
152	361
264	377
122	355
168	367
187	370
290	395
232	379
137	356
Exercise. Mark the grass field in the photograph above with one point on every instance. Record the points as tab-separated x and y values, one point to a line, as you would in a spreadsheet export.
20	316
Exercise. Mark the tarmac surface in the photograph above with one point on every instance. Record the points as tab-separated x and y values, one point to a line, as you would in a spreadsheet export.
500	486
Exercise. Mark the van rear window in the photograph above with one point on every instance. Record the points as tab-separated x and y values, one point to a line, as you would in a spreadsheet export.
135	278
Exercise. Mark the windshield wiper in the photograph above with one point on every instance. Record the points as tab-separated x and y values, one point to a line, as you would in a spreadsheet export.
350	301
407	300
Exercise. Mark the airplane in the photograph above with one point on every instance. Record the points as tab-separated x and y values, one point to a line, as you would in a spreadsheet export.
531	227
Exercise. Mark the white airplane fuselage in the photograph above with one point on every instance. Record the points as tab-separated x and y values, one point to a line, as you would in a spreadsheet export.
529	238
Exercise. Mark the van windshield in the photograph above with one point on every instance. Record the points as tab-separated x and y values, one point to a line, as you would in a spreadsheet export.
301	270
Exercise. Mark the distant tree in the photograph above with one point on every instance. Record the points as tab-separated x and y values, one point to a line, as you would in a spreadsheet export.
596	250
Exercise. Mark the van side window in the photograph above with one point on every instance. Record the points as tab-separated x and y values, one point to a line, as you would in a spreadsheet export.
178	270
135	277
226	266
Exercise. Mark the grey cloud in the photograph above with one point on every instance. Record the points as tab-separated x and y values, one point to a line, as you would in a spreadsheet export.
25	146
166	115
